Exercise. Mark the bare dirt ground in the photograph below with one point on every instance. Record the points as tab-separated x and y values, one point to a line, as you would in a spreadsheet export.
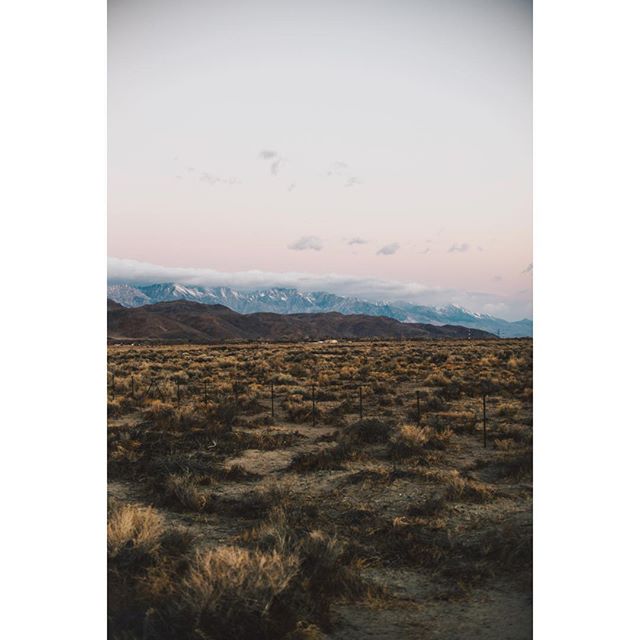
435	526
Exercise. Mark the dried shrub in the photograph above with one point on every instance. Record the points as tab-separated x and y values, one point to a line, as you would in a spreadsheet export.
411	440
368	431
183	491
160	413
133	533
232	592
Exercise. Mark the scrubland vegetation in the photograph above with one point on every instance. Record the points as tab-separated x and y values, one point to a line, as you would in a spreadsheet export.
226	521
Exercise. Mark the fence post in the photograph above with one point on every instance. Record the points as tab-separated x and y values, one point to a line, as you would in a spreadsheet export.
484	419
360	389
273	407
418	405
313	403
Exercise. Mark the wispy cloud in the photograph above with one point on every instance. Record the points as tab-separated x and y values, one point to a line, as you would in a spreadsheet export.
388	249
307	243
341	170
212	180
337	169
207	177
356	240
274	159
459	248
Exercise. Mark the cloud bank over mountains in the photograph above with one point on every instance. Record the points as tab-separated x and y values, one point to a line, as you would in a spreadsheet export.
125	271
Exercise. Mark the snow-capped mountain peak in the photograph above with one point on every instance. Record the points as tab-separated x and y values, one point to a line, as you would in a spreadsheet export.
286	300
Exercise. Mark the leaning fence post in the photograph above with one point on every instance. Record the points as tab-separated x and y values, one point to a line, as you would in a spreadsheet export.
418	405
273	407
484	419
313	403
360	390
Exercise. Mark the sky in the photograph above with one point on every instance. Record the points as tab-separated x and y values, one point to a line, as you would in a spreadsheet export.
374	148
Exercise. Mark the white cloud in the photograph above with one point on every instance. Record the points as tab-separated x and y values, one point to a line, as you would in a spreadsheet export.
307	243
134	272
337	169
138	273
388	249
273	158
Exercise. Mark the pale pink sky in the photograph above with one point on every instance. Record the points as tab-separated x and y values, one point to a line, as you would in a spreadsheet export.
267	136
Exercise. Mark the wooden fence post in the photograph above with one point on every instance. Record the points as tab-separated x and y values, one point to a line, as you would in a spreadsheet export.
313	403
273	406
484	419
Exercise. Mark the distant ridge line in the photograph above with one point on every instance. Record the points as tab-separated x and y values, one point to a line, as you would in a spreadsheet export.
182	321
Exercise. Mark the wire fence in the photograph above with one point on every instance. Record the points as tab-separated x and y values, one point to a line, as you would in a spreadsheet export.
181	393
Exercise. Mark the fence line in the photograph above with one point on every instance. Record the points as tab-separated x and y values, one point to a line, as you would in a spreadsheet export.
203	388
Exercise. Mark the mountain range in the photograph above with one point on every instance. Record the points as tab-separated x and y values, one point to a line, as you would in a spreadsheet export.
185	321
292	301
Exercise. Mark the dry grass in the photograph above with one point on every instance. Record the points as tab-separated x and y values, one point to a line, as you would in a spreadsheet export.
184	490
460	488
411	440
133	532
275	546
235	592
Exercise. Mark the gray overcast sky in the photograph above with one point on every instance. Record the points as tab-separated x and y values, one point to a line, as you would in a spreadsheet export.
374	141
